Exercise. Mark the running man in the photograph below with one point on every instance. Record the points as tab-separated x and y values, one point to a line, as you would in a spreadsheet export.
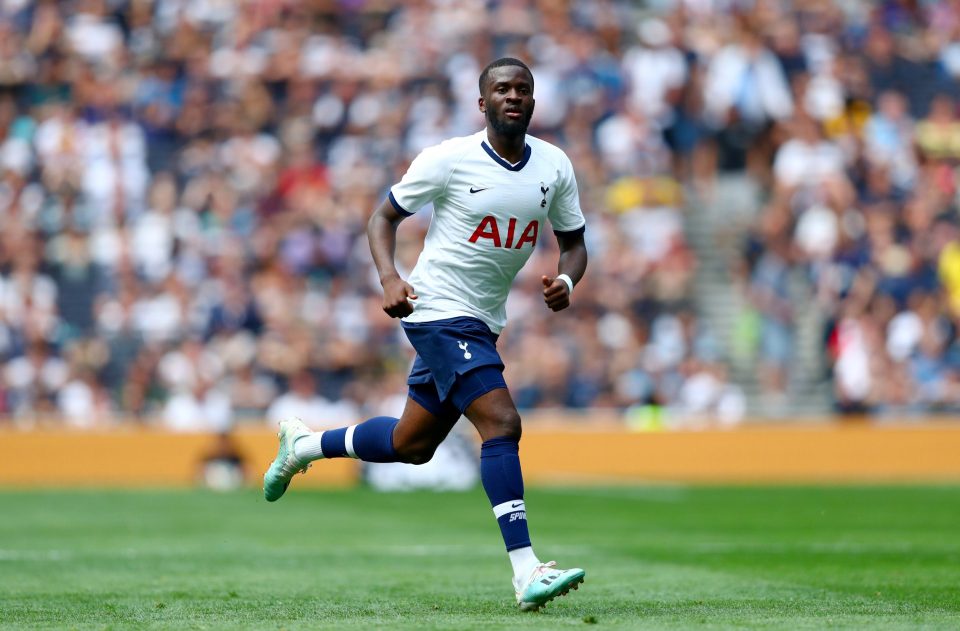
491	193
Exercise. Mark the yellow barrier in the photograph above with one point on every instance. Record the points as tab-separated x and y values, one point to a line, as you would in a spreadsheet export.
550	453
135	457
808	453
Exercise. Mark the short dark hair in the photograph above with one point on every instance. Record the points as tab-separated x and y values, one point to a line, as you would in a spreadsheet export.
500	63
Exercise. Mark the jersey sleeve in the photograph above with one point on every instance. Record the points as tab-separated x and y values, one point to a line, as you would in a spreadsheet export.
565	214
422	183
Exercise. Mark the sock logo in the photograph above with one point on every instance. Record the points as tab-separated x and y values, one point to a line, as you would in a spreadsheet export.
463	347
513	510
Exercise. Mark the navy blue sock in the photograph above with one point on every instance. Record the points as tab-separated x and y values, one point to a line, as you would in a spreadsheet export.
370	441
503	482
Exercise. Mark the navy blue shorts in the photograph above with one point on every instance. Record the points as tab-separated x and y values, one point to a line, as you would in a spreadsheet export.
457	361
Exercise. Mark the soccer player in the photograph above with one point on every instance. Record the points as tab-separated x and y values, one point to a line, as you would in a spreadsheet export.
491	193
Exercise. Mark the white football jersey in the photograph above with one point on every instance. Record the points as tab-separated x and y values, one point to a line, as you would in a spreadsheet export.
487	217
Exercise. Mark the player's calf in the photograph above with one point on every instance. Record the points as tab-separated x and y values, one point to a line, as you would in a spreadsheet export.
370	441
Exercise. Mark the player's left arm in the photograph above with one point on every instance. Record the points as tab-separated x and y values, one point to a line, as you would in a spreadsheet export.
568	224
573	264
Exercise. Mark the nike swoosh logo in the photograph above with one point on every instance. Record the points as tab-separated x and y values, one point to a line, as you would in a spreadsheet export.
477	190
515	504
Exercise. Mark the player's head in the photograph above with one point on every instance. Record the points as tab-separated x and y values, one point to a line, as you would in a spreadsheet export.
506	96
503	62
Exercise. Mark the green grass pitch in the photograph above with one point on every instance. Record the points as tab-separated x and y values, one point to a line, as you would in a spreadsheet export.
656	558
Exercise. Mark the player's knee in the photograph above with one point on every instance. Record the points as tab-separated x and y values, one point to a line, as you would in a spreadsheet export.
415	452
420	455
506	425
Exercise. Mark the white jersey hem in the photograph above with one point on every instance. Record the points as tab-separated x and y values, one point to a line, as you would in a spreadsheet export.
433	316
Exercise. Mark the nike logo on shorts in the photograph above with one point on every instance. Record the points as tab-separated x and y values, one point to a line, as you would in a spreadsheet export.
477	190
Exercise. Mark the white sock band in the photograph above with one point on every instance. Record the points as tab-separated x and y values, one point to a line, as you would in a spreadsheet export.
348	441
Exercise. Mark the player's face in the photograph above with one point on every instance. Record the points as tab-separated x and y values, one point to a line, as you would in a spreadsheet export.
507	101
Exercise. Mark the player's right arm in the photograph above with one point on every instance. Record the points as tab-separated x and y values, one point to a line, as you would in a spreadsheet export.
382	234
421	184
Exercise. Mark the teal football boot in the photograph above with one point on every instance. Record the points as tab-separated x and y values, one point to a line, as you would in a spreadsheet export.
545	583
285	465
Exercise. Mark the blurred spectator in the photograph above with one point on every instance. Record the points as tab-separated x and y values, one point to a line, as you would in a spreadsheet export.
745	91
303	402
807	160
84	403
888	136
221	468
656	70
33	379
706	397
198	408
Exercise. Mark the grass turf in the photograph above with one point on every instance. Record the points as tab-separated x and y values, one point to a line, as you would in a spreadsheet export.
656	558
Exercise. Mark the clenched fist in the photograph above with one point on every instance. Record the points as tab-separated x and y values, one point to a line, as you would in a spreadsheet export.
556	293
397	297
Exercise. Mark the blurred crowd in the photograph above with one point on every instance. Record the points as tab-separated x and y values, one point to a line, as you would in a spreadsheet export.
858	164
185	184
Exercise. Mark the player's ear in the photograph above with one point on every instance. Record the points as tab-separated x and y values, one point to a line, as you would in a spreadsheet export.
482	105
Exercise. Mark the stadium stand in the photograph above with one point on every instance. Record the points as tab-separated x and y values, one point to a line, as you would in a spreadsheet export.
184	187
